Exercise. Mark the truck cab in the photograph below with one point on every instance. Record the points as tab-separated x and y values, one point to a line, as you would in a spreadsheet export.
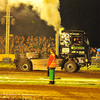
74	48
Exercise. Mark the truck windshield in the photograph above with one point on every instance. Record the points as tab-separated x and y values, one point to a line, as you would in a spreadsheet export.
77	40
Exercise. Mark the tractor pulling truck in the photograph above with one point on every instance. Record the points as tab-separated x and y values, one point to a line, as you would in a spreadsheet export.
72	50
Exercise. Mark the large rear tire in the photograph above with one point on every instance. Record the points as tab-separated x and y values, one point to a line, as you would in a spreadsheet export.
24	65
70	66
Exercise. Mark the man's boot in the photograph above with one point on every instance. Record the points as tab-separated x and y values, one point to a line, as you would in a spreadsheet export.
51	82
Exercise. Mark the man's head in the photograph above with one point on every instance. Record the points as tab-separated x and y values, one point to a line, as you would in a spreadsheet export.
51	50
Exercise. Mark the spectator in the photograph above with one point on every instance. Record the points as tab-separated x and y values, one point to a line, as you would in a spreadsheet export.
98	58
0	51
3	51
91	51
94	52
98	55
31	40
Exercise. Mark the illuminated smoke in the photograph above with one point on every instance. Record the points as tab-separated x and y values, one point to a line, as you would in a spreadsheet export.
48	10
2	5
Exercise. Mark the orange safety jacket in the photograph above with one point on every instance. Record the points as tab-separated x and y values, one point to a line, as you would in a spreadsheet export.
52	61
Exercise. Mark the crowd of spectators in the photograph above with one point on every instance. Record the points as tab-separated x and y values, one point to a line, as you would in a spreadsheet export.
21	44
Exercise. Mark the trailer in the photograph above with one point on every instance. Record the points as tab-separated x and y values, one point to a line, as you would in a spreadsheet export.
72	51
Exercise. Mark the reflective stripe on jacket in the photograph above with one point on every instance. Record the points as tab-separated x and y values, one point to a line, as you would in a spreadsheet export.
52	61
53	64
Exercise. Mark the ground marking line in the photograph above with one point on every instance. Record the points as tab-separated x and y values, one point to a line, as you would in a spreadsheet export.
47	82
59	79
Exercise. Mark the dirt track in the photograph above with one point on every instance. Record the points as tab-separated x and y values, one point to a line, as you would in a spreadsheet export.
49	92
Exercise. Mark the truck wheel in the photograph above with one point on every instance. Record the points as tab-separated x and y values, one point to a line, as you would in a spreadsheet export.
24	66
70	66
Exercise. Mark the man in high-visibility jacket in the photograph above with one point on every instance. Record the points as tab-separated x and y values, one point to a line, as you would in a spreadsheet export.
51	65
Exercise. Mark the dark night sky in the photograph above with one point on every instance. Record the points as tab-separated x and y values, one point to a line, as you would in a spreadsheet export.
82	15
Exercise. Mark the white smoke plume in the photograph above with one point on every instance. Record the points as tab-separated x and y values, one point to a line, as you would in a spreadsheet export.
48	10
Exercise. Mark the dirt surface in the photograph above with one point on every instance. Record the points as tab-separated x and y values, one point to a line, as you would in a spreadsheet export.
79	74
49	92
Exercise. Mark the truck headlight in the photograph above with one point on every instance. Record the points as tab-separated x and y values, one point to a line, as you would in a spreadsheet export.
86	60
